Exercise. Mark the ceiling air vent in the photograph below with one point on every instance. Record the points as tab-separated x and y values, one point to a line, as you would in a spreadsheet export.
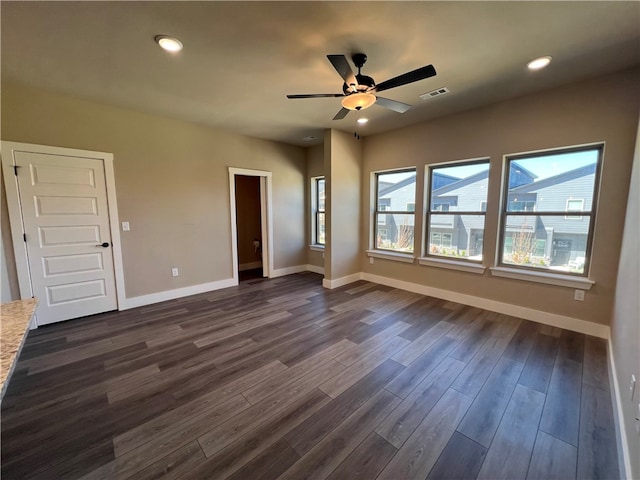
434	93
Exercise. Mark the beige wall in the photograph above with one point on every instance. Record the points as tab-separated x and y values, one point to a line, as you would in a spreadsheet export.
172	184
625	324
248	213
8	277
315	168
343	170
602	109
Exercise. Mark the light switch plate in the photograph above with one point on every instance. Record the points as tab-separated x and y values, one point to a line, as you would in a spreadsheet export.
125	226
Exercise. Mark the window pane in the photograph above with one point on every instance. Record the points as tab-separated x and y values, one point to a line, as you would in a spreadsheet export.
396	191
550	183
459	187
546	242
462	238
397	233
321	228
321	195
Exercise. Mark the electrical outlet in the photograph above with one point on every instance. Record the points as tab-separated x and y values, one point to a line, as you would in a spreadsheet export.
632	387
578	295
175	272
125	226
371	260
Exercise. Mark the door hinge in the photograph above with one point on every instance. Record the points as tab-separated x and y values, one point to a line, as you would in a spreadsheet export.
24	237
15	169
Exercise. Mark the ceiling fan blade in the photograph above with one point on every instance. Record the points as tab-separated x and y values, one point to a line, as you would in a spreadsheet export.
409	77
341	64
317	95
341	114
392	104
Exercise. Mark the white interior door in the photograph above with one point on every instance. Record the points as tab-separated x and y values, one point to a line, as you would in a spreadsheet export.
68	237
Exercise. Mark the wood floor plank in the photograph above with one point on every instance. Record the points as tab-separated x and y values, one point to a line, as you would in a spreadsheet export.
342	381
561	414
261	389
223	435
597	453
141	434
374	343
409	379
521	343
162	444
478	369
512	447
314	429
483	418
366	461
595	362
421	451
322	459
461	459
269	465
417	347
537	370
174	465
552	459
249	448
401	423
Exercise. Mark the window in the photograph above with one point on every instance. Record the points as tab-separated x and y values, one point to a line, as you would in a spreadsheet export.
457	205
395	210
574	205
318	206
550	184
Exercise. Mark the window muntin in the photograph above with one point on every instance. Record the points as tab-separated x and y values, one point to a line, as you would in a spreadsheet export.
394	215
545	237
457	205
319	211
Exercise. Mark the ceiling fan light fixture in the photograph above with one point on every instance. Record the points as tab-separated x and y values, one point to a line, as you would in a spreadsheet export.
170	44
362	120
539	63
358	101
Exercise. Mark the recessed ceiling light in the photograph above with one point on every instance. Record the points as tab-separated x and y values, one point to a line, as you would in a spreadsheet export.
538	63
170	44
362	121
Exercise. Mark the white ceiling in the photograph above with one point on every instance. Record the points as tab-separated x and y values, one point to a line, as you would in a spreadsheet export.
240	59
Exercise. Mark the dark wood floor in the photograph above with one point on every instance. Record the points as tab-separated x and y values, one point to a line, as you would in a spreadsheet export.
284	379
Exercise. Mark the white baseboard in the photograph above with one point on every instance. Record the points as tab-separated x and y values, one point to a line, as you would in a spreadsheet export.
338	282
249	266
618	416
555	320
315	269
288	271
142	300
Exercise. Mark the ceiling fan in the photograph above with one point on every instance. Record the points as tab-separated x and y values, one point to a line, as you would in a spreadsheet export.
359	91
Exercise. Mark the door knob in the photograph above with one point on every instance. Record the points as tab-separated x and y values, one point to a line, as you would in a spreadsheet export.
103	245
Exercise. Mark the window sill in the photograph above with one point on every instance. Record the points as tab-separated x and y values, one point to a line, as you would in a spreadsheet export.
543	277
316	248
393	256
452	265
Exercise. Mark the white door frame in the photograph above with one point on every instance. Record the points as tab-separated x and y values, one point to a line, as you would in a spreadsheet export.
7	150
266	214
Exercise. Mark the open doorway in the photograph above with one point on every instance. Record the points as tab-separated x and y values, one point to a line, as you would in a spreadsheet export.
251	231
249	227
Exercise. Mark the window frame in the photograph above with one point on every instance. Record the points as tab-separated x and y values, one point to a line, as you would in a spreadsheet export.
316	211
504	213
376	212
430	212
